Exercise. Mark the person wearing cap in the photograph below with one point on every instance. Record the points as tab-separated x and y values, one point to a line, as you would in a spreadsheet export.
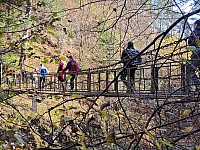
127	55
194	63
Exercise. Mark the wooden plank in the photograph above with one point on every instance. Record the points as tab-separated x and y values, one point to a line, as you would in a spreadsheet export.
116	81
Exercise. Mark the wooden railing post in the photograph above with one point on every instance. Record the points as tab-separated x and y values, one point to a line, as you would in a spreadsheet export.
99	81
154	78
75	82
50	82
107	78
27	81
183	76
1	70
128	80
187	77
116	81
20	82
38	83
54	81
89	80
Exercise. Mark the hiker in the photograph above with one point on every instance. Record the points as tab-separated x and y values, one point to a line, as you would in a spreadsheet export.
43	72
128	54
194	63
33	77
61	75
73	68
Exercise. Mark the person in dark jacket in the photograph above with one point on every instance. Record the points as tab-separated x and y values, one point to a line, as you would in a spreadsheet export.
126	56
195	35
71	71
194	63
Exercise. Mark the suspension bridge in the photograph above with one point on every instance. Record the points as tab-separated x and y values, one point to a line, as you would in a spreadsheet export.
150	80
163	79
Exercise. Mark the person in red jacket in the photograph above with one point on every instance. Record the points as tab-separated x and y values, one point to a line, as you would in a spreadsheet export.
61	74
72	67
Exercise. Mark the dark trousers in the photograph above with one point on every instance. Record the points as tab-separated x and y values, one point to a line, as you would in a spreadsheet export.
191	67
62	83
33	81
72	81
42	82
124	77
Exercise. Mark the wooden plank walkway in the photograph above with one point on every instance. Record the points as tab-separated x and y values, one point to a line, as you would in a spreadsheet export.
114	94
147	96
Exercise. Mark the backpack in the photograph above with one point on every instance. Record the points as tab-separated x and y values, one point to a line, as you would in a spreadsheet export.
43	72
131	53
61	75
194	38
61	67
75	67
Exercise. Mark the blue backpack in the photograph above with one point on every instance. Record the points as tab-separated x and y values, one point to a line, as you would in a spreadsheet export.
43	72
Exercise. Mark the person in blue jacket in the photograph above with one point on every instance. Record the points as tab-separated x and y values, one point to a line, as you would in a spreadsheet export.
43	72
